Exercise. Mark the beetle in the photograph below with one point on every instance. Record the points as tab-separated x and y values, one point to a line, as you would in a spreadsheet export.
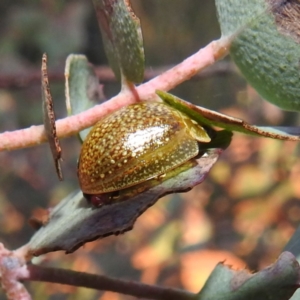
136	148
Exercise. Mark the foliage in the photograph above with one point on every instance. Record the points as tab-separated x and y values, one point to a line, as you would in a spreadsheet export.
248	205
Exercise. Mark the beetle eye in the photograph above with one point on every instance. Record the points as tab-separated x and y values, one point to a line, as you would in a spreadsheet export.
97	200
102	199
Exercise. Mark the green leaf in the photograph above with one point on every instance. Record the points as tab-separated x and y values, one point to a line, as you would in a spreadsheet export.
235	15
211	118
293	244
265	46
82	87
74	221
122	36
277	282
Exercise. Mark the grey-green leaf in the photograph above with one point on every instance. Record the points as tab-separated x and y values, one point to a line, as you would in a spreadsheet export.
277	282
265	46
122	36
82	89
235	15
211	118
74	221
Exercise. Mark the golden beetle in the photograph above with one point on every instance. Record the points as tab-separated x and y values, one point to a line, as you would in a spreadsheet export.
136	148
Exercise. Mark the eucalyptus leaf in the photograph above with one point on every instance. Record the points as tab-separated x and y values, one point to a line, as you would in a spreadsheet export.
73	222
50	119
277	282
296	295
211	118
293	244
235	15
122	37
82	89
265	46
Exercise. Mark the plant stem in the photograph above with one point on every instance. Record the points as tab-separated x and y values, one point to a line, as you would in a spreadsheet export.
99	282
35	135
105	75
12	267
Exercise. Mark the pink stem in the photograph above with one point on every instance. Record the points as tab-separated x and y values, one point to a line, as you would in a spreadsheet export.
35	135
12	267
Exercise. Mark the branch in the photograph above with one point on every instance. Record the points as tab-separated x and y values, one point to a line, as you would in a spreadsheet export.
105	75
12	267
99	282
35	135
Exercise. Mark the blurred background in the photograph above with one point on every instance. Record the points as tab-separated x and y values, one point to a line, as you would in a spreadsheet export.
244	212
